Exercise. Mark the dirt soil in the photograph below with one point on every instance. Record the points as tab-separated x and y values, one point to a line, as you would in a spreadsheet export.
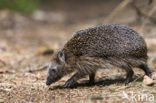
27	43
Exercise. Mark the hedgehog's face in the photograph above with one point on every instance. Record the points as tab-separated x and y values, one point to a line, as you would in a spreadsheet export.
55	69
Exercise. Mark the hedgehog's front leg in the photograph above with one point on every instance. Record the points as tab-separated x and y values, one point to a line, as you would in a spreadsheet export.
91	78
72	82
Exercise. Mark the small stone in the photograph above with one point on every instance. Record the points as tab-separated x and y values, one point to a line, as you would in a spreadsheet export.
154	75
148	81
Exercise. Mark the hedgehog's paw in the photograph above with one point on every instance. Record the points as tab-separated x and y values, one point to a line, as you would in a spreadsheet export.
70	84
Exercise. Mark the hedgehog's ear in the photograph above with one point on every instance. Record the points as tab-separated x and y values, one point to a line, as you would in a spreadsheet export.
62	57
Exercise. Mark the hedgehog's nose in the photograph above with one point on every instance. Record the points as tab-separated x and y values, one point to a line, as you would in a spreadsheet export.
48	83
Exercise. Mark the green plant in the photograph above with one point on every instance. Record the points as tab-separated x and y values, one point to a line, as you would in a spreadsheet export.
22	6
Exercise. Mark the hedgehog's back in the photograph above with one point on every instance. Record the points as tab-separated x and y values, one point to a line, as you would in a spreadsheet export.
107	41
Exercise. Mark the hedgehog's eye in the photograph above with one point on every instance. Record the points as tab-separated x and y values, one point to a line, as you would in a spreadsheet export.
53	70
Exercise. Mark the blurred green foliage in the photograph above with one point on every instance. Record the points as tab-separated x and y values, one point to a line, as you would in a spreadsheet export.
22	6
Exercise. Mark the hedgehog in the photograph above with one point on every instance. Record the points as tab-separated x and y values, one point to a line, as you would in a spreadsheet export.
97	48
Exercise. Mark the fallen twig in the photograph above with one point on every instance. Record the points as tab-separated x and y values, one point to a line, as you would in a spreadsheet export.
145	21
141	14
122	5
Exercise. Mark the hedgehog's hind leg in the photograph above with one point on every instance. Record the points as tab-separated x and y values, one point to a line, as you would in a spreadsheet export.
129	76
124	64
146	69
